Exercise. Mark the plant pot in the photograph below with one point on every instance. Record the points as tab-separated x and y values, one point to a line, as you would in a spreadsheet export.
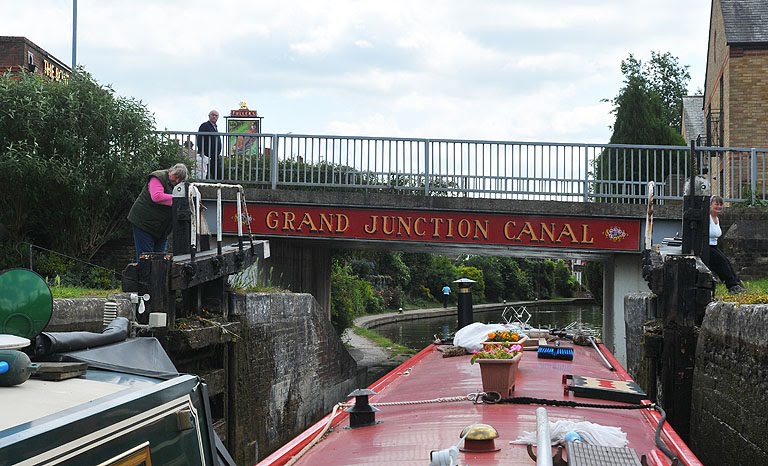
499	374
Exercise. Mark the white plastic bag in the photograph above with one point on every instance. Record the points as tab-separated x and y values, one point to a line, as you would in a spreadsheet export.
472	336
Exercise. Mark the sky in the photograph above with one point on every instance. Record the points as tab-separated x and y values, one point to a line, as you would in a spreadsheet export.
503	70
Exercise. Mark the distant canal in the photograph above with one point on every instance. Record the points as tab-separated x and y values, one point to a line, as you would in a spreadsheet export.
419	333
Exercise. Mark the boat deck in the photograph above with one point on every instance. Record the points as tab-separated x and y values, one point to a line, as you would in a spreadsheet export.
405	434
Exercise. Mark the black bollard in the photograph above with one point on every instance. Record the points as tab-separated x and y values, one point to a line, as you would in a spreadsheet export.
464	305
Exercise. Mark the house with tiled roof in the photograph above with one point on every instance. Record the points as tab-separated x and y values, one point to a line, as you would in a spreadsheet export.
735	103
693	124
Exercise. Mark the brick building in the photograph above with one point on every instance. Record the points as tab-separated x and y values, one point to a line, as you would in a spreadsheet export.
17	53
735	104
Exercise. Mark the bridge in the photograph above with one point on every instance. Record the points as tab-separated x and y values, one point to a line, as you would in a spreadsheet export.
312	194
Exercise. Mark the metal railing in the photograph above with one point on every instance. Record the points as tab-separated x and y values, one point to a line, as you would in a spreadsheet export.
468	168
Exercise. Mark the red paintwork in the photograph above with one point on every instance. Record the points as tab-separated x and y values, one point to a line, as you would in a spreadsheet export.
405	434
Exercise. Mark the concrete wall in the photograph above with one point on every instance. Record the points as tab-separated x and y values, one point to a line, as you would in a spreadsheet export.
292	367
730	397
621	276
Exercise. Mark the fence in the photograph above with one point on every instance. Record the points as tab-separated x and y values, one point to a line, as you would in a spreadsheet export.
488	169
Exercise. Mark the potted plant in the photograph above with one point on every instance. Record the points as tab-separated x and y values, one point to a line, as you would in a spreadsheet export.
498	367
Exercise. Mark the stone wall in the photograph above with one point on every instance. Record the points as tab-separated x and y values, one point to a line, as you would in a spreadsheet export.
292	367
730	398
744	240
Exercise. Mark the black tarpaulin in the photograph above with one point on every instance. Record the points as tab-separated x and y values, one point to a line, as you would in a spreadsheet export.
139	356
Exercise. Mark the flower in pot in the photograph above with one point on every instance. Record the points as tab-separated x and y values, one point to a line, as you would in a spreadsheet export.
498	367
505	338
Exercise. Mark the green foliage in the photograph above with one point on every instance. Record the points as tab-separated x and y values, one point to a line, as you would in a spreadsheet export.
473	273
74	156
592	277
565	283
648	110
59	270
351	296
518	283
665	77
394	348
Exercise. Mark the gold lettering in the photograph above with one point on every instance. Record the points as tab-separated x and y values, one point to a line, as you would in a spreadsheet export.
568	232
272	220
436	221
325	221
482	228
416	229
288	219
372	227
585	233
507	226
548	232
403	225
449	234
345	223
307	220
388	231
463	228
528	230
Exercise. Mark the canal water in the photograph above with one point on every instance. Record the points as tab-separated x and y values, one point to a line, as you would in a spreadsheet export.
417	334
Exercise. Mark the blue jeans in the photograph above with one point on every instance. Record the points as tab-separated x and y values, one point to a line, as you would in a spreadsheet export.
146	242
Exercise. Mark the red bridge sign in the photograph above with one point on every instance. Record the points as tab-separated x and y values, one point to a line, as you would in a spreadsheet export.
615	234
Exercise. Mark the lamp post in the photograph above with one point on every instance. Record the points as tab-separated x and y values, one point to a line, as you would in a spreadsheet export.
74	35
464	305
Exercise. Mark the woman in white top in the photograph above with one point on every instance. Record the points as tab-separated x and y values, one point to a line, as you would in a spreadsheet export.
718	262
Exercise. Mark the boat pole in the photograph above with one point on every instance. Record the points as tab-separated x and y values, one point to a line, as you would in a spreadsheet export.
594	345
543	439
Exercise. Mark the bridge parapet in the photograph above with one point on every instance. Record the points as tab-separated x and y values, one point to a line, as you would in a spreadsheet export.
614	173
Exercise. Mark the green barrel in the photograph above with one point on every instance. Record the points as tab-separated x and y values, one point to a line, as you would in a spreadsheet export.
26	303
15	368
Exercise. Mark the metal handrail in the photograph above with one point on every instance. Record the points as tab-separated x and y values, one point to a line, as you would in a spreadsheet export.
476	168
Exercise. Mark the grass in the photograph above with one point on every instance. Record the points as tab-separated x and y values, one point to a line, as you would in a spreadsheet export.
394	348
64	292
757	293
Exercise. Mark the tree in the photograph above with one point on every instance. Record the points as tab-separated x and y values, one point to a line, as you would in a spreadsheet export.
648	112
666	78
74	156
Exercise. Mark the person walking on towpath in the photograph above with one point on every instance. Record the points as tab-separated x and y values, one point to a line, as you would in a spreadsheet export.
446	294
718	262
150	214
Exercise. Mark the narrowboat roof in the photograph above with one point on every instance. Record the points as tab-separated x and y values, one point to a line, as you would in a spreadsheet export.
411	422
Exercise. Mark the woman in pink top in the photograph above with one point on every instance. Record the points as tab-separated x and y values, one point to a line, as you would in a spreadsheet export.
150	214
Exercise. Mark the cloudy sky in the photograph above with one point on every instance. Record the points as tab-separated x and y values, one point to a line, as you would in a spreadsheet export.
518	70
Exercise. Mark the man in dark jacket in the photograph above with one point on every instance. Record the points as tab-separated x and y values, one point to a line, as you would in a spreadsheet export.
210	146
151	212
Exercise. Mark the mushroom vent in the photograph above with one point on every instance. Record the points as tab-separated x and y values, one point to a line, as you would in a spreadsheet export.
479	438
362	414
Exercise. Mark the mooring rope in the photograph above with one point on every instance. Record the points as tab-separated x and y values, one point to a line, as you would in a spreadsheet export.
495	398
